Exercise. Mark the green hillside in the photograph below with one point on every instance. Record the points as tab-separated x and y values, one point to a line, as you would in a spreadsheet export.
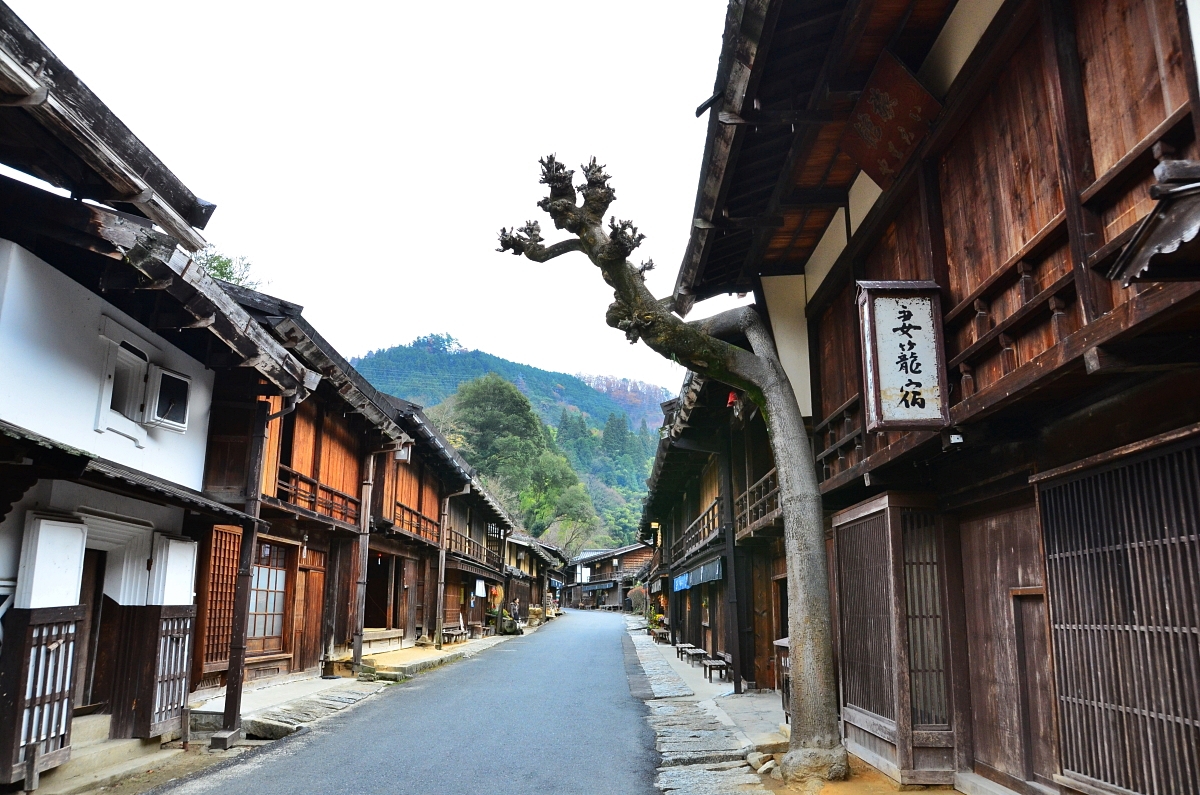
431	368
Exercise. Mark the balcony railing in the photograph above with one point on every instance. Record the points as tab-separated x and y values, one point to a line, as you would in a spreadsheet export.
758	506
304	492
464	545
698	532
416	524
611	574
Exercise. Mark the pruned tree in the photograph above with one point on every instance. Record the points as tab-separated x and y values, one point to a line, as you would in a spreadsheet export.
704	346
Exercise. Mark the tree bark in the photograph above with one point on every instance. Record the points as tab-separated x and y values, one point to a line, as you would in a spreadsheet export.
815	749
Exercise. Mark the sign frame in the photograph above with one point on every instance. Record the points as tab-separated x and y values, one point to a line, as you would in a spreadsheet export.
874	421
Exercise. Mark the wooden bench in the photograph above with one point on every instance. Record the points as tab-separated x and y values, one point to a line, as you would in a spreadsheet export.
693	655
711	664
452	634
680	648
662	635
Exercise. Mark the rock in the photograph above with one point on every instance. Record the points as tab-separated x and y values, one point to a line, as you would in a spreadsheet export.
777	774
755	759
768	766
267	729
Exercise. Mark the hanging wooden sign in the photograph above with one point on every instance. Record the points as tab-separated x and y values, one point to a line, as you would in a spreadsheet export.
904	361
891	117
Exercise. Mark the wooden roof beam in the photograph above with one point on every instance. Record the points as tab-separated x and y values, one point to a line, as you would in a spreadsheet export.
805	198
784	118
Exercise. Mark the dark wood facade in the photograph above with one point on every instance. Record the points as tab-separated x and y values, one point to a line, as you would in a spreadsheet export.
1014	598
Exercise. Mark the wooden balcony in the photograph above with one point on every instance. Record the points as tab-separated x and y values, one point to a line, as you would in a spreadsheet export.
756	511
311	495
468	547
416	524
699	532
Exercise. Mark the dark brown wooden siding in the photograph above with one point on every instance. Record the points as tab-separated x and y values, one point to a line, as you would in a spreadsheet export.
1123	558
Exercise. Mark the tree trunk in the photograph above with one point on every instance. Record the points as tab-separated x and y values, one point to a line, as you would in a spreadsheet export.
815	749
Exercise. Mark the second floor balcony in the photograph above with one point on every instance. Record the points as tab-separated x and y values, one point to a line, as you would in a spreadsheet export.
757	509
312	495
698	533
464	545
416	524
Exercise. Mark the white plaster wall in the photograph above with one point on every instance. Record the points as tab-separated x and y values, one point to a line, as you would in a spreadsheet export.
126	575
863	195
956	42
51	370
786	301
829	247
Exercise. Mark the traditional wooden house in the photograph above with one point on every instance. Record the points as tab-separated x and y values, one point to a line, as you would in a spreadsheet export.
477	529
111	343
408	515
1012	517
601	578
712	516
530	567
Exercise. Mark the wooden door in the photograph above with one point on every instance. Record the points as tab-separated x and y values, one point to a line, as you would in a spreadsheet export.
1008	647
309	609
91	596
409	595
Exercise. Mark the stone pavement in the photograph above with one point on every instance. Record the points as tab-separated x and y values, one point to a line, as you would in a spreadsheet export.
703	751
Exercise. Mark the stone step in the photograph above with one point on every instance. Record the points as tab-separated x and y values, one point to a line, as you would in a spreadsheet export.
89	729
103	764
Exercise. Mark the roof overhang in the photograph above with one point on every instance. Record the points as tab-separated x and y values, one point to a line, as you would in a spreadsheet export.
82	146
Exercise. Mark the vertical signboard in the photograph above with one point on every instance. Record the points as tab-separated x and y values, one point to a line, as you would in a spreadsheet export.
904	365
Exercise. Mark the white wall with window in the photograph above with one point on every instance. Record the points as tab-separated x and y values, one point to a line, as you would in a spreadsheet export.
75	368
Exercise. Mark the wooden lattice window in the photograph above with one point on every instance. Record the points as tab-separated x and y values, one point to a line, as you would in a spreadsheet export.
923	608
1123	562
865	603
222	582
268	597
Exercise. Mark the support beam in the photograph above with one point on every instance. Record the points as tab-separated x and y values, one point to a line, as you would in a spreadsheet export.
762	118
231	724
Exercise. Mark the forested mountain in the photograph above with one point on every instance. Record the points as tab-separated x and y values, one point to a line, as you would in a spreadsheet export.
559	450
431	368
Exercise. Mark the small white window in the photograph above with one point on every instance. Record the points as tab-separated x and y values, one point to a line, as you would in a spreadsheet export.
135	393
166	403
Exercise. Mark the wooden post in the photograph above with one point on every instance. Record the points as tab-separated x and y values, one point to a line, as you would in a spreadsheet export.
390	615
231	724
733	634
441	583
364	559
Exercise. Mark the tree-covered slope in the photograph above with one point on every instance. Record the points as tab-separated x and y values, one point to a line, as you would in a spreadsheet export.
431	368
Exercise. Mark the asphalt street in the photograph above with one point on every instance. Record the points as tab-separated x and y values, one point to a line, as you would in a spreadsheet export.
550	712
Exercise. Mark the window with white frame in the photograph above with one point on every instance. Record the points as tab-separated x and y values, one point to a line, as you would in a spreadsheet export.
136	393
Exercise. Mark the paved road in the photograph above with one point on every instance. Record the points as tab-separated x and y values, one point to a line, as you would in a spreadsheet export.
549	712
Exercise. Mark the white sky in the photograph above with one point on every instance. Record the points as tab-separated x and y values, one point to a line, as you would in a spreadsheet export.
364	154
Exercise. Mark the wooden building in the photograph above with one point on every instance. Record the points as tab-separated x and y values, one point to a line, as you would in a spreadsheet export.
712	516
601	578
111	341
1015	584
532	568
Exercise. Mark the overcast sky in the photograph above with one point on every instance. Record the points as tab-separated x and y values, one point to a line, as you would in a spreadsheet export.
364	155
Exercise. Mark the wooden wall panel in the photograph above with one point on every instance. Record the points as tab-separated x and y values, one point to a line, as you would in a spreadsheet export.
709	488
304	437
897	255
1128	49
999	177
341	461
1001	550
408	484
838	331
271	453
431	495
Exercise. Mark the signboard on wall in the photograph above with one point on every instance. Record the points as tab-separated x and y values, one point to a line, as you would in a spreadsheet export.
891	117
904	363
